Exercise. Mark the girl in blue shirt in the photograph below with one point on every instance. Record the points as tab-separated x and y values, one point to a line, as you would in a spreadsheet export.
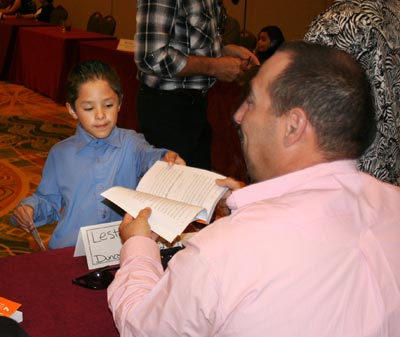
100	155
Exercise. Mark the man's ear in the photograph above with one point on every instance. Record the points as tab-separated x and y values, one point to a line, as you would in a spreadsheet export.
296	123
71	111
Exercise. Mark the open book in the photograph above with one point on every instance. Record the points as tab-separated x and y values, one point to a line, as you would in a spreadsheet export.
176	194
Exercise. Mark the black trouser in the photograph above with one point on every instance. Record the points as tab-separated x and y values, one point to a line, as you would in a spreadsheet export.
176	120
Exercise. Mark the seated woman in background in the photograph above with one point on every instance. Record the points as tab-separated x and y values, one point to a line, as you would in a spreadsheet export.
268	40
20	6
5	3
43	13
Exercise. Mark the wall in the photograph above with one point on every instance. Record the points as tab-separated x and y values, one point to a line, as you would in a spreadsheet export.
123	11
292	16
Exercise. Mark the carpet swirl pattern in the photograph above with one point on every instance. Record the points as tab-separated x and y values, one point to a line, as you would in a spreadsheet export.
30	124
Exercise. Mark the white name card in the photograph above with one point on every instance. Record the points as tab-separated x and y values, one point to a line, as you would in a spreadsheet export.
126	45
100	243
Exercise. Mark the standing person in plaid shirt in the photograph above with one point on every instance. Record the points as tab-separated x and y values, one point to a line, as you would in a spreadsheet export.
179	55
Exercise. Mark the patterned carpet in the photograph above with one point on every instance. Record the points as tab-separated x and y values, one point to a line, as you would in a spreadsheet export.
30	125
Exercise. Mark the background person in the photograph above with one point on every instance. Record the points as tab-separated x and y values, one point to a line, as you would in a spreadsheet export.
5	3
100	155
43	12
179	55
312	248
269	39
370	31
20	7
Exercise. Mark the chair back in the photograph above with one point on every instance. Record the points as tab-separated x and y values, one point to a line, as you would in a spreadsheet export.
107	25
59	15
102	25
94	22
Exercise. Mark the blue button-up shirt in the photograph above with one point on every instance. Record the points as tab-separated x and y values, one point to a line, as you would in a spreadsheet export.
78	169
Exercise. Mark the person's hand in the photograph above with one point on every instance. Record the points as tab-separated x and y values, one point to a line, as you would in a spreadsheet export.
173	158
235	63
140	226
232	185
242	53
23	217
227	68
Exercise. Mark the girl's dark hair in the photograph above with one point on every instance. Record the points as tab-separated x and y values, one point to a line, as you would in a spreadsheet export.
276	36
89	71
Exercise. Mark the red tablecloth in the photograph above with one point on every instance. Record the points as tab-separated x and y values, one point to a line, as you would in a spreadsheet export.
124	64
51	304
45	55
8	35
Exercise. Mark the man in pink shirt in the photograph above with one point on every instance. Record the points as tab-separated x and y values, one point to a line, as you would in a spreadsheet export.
310	249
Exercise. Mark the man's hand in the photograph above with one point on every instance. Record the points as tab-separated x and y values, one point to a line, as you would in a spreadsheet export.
235	63
173	158
140	226
232	185
241	53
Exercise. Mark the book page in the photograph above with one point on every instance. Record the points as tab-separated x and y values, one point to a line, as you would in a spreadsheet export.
182	183
168	218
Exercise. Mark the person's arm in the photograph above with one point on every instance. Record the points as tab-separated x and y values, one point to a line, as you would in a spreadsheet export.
172	158
145	301
154	53
227	68
23	217
45	203
327	29
14	7
232	185
146	154
23	16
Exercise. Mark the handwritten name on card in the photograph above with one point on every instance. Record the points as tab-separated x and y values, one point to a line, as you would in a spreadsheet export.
126	45
100	243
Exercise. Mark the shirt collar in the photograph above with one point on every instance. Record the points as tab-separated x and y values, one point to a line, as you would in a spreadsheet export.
84	139
276	187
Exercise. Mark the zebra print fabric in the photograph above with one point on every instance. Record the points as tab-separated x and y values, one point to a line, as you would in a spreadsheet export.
370	31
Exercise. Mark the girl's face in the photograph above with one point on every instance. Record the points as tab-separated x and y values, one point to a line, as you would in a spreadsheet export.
96	108
263	42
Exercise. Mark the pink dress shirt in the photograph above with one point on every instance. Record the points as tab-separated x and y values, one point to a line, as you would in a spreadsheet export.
315	253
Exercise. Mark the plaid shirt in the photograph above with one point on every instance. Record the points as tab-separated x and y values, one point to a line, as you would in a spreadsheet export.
167	32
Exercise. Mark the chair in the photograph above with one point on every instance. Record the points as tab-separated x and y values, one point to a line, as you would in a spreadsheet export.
107	25
59	15
94	22
102	25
